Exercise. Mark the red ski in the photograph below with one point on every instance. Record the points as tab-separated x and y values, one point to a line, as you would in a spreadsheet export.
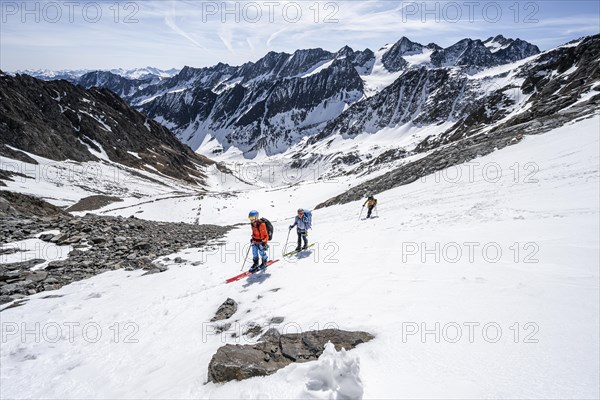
248	273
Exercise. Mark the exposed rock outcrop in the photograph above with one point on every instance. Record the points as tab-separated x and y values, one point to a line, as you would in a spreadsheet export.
275	351
226	310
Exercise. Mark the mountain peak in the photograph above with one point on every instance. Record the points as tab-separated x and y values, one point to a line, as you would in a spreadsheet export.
392	59
498	39
434	46
479	54
344	51
404	39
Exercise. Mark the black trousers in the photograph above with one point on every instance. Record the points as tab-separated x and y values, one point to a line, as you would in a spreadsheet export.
301	235
369	211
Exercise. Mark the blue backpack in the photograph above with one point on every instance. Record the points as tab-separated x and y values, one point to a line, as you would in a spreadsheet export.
308	218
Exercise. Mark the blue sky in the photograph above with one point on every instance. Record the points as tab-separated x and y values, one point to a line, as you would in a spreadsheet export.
110	34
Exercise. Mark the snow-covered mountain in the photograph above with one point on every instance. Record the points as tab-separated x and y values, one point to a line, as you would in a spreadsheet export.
74	76
489	53
70	75
296	106
271	104
141	73
425	109
268	105
119	84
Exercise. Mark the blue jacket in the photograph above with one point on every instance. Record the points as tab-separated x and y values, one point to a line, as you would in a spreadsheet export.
302	223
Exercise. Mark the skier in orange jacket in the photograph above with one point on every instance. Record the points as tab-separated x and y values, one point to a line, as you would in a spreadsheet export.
370	203
260	238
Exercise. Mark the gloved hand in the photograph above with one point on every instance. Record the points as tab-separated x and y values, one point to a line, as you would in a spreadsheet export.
291	226
251	241
265	246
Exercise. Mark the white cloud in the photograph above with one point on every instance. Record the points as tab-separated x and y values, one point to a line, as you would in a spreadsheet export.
170	21
169	33
273	36
226	39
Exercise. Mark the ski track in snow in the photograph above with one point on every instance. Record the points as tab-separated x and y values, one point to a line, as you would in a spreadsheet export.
357	278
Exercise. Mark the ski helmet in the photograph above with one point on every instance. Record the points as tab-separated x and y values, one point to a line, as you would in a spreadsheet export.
253	215
300	210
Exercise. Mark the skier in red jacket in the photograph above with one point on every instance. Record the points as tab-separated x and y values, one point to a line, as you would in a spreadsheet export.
260	238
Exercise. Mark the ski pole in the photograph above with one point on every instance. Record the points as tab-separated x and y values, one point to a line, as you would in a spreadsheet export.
287	240
361	211
245	258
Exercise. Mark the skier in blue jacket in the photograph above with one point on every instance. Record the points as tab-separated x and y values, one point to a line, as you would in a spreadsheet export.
303	225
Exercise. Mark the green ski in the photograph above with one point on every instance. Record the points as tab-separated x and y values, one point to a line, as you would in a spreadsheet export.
291	253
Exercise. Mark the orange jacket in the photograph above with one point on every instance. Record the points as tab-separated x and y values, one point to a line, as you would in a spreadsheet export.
370	203
259	232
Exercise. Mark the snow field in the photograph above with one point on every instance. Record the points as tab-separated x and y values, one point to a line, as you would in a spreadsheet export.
528	316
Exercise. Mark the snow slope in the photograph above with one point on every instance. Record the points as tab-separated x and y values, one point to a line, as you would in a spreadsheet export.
379	77
373	275
64	183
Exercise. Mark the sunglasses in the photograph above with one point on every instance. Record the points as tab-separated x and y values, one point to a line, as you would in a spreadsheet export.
252	218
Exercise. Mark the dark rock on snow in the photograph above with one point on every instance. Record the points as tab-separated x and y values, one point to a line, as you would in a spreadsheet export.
226	310
275	351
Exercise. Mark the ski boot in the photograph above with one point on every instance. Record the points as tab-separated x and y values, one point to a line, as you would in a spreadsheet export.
263	265
254	266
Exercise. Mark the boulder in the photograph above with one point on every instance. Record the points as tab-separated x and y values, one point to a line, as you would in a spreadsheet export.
275	351
243	362
308	346
46	237
142	246
59	238
36	276
225	310
23	264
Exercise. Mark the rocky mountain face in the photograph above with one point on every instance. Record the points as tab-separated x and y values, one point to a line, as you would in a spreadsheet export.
271	104
557	87
477	54
394	61
118	84
509	50
422	96
268	104
60	121
549	86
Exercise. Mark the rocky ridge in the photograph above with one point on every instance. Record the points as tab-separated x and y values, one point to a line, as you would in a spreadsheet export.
61	121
